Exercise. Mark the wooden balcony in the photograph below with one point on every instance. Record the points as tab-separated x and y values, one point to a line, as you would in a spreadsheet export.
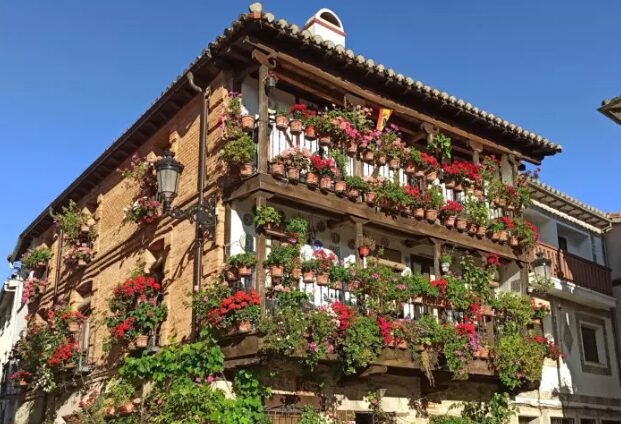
579	271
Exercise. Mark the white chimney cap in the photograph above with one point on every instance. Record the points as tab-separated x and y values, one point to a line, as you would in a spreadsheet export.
327	25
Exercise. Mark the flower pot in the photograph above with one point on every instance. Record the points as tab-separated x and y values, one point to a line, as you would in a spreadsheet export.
431	215
247	123
282	122
394	164
111	411
381	160
336	285
325	141
353	194
276	270
494	284
126	408
364	251
482	231
514	241
482	353
340	186
461	223
296	273
449	221
231	274
82	262
406	210
487	310
371	197
419	213
473	228
246	169
402	344
510	207
459	187
293	174
449	184
85	228
295	126
244	326
410	168
312	179
70	365
495	236
244	271
503	235
41	265
323	278
310	133
431	175
308	277
352	148
445	267
419	173
325	183
22	384
73	327
478	193
368	156
142	341
278	169
536	321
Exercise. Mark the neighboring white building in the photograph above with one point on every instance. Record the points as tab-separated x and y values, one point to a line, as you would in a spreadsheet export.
585	386
12	322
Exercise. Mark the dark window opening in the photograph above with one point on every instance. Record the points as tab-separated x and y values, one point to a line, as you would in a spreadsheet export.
589	344
562	243
330	18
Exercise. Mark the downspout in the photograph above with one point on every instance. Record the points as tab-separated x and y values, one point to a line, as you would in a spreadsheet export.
555	334
199	230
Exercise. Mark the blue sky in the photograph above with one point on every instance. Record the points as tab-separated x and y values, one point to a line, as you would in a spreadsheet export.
74	75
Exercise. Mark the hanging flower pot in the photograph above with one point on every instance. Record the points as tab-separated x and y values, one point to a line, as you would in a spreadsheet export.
244	271
142	341
445	267
419	213
381	159
82	263
394	164
325	183
69	365
353	194
246	169
368	156
459	187
449	221
482	353
478	193
276	271
431	215
336	285
308	277
73	327
340	186
472	229
514	241
418	300
406	210
325	140
410	168
282	122
244	326
295	126
231	274
503	235
352	148
461	223
371	197
278	169
296	273
247	123
402	344
431	175
495	236
310	133
22	384
293	174
364	251
323	278
312	179
482	231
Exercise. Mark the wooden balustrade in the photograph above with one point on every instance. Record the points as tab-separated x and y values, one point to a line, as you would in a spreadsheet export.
580	271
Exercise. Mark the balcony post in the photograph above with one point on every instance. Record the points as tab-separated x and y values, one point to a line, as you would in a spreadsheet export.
266	62
437	254
260	200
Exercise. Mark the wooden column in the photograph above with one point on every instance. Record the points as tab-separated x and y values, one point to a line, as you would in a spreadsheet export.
477	148
359	234
261	200
437	254
263	148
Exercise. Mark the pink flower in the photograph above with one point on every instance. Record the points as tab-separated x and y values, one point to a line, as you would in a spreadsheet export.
211	379
314	347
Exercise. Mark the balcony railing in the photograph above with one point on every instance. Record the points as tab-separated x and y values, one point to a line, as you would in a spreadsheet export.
580	271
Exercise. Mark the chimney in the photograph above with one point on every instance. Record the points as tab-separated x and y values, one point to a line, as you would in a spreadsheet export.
326	24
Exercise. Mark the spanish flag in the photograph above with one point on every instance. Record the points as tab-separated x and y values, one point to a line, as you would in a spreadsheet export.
382	118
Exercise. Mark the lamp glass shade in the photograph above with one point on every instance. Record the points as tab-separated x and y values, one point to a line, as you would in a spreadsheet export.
542	267
168	171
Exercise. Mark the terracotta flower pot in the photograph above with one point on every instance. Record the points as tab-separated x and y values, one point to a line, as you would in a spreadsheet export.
514	241
111	411
323	278
353	194
310	133
73	327
494	284
418	300
336	285
431	215
381	159
371	197
22	384
340	186
536	321
325	141
352	148
482	353
431	175
295	126
231	274
402	344
245	271
308	277
246	169
473	228
247	123
278	169
82	262
482	231
449	221
406	210
293	174
364	251
70	365
409	168
503	235
459	187
449	184
276	270
419	213
461	223
419	173
312	179
368	156
296	273
282	122
325	183
495	236
394	164
126	408
142	341
244	326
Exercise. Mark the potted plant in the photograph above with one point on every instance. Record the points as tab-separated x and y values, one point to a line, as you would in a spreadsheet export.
296	160
355	187
371	195
309	269
449	212
413	159
239	153
441	145
325	126
526	232
325	261
277	259
326	169
242	263
478	216
446	259
392	146
73	320
297	229
431	166
282	120
435	200
540	311
298	113
366	246
267	218
493	229
36	258
310	125
339	276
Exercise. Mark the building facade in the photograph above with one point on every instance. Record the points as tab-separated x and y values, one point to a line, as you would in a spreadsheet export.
274	65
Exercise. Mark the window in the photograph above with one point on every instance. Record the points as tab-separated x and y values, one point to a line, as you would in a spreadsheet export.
527	420
588	421
562	243
422	265
611	422
557	420
589	344
364	418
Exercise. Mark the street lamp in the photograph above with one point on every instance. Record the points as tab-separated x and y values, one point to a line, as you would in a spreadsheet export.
542	267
